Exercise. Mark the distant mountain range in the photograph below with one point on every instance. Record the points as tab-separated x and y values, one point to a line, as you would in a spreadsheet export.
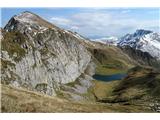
111	40
144	40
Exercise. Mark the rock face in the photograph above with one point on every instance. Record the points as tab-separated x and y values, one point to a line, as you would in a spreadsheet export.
141	58
40	56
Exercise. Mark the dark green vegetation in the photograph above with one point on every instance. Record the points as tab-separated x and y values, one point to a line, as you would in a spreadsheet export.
5	64
12	43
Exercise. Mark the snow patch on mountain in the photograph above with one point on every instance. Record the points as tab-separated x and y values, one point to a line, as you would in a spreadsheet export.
144	40
111	40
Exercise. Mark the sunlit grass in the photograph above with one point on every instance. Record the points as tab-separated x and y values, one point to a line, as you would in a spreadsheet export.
104	89
21	100
101	70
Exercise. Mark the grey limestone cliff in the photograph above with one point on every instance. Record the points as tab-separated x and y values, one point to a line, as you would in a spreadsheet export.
40	56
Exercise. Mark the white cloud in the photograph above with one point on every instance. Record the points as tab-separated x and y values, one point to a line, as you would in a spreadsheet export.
60	20
103	23
74	28
125	11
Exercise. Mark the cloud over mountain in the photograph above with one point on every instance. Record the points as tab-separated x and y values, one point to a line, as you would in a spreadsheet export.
103	22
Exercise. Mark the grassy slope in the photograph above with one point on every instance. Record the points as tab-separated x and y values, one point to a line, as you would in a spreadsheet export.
140	81
20	100
103	89
110	60
141	84
102	70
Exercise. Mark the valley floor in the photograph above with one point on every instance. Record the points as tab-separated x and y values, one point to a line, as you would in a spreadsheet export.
21	100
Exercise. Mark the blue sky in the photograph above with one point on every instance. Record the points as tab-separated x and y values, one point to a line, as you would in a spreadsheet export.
95	22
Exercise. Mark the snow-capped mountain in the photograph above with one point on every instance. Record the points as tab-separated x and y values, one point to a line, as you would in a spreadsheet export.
111	40
144	40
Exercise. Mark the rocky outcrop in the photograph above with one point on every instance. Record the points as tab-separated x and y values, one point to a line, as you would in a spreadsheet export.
140	57
40	56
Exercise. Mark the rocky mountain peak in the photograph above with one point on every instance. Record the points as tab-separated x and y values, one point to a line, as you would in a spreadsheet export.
144	40
27	17
140	32
136	35
27	22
